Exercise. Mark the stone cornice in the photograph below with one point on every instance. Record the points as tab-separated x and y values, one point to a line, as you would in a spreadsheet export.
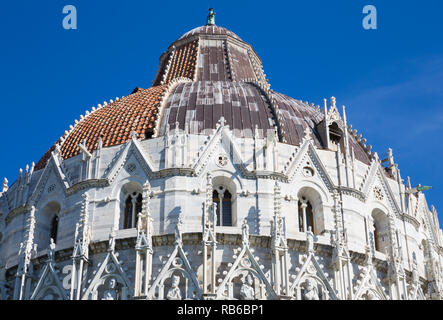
410	219
195	238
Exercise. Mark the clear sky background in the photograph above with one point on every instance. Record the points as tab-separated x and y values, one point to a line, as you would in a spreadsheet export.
390	79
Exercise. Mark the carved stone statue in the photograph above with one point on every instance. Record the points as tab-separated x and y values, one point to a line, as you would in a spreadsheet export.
110	293
310	241
174	293
310	292
247	291
211	18
178	230
245	233
51	250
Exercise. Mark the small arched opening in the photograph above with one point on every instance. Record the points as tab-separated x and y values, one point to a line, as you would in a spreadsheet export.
131	199
336	137
48	224
224	196
380	224
310	211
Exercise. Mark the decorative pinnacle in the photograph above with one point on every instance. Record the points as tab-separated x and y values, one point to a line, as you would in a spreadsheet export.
210	20
333	102
5	185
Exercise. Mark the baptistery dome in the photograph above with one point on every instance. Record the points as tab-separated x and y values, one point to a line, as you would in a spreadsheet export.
211	185
208	73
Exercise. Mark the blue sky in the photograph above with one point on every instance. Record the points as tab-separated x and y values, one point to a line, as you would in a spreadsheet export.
390	79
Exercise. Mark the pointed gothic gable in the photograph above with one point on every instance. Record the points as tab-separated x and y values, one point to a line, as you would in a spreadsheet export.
245	269
219	139
177	266
246	264
51	174
143	241
311	269
49	286
333	115
110	269
133	148
376	179
307	153
368	285
369	177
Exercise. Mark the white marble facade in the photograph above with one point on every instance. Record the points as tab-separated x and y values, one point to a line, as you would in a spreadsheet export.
369	239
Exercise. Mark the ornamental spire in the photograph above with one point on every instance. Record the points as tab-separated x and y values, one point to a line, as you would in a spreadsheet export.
210	20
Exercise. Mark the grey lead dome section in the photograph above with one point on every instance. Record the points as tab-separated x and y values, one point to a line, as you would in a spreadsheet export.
209	30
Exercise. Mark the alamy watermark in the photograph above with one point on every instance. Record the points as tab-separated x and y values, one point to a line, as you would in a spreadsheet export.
70	20
370	20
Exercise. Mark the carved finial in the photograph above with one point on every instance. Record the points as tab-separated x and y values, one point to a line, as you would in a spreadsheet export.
390	157
408	184
245	233
177	127
368	255
308	134
333	102
343	109
134	135
5	185
210	20
57	149
222	121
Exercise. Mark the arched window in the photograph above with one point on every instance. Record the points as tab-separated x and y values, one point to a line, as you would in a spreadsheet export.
380	231
305	216
54	228
223	198
48	218
133	206
336	137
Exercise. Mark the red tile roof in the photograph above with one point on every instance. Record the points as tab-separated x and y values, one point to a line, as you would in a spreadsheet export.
183	63
114	123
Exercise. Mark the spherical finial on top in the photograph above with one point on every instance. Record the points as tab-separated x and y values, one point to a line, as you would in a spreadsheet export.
210	21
